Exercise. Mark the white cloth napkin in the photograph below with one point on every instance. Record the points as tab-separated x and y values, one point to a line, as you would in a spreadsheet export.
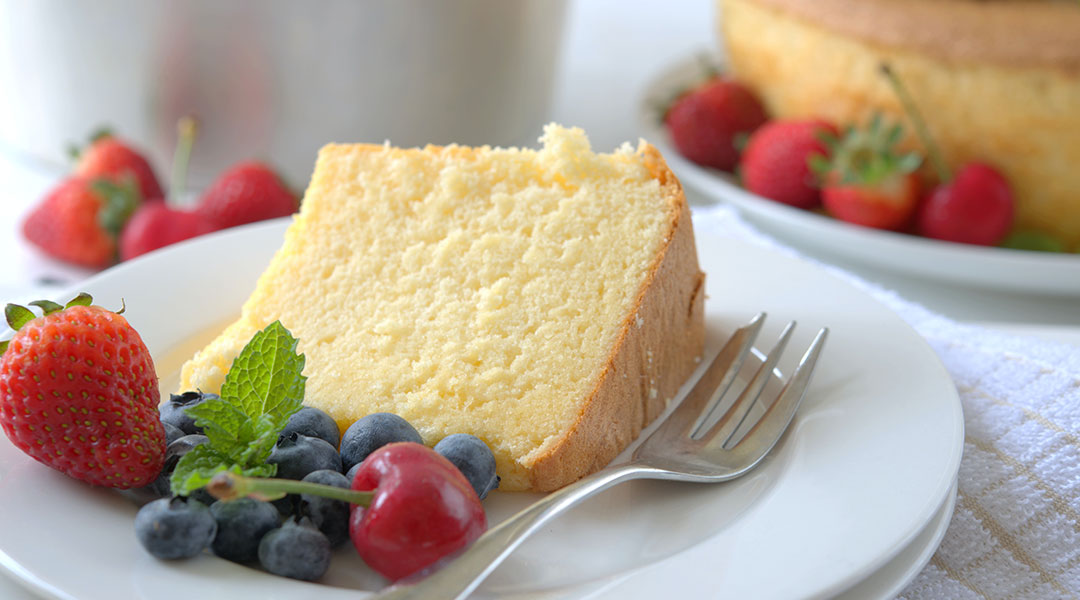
1015	532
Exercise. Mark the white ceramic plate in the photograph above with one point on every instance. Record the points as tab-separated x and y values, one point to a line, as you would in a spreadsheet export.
867	465
995	268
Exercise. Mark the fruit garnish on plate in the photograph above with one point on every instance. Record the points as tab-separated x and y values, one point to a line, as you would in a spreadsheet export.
264	387
78	392
410	507
865	180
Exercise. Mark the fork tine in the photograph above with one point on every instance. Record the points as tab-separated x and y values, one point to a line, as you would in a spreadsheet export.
736	414
760	440
713	384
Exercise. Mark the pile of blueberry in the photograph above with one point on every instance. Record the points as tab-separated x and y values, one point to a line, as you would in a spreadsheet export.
295	535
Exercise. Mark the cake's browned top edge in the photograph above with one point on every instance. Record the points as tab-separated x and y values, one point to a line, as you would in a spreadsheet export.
1004	32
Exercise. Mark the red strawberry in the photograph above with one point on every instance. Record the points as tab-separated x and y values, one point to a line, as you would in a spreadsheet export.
975	207
865	181
78	392
707	123
110	157
155	225
78	221
775	162
247	192
886	204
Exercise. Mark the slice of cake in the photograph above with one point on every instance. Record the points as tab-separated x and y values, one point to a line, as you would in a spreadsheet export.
547	301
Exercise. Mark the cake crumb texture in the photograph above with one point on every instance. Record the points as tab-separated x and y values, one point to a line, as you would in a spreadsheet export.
508	293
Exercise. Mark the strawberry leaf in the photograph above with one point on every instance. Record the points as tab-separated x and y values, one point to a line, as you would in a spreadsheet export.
83	299
47	307
119	201
17	316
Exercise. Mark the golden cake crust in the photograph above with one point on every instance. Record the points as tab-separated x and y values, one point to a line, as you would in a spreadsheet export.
998	97
669	315
1002	32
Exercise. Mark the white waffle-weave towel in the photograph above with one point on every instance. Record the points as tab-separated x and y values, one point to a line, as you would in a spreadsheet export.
1015	532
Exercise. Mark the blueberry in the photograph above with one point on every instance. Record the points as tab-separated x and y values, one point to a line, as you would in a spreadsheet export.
172	528
174	411
372	432
240	526
296	549
351	474
473	458
296	455
286	505
313	422
330	516
172	433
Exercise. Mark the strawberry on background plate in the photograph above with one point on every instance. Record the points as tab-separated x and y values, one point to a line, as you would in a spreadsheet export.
775	162
865	180
247	192
708	123
110	157
80	219
78	392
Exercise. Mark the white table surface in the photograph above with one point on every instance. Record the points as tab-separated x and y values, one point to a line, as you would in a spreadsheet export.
611	50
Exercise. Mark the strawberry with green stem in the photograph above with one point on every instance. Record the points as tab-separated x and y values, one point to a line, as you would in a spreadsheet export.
974	206
78	392
865	180
109	157
80	220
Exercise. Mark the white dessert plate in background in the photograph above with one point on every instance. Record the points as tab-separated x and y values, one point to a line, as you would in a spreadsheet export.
849	491
993	268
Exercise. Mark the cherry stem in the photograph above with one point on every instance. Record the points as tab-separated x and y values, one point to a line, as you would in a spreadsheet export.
187	128
231	486
912	110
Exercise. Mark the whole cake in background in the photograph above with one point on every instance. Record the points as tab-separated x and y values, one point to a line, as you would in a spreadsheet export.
998	81
547	301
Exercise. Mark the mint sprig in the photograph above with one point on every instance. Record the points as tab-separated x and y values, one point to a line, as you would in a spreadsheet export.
262	389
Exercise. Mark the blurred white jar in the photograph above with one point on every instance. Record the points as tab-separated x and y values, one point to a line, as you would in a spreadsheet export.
274	79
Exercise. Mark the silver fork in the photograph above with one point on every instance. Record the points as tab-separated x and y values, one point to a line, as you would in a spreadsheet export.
690	445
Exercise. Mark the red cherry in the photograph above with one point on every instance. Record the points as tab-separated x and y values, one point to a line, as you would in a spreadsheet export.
155	225
705	122
976	207
423	510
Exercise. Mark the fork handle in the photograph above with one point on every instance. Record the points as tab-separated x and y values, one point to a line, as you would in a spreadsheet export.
460	576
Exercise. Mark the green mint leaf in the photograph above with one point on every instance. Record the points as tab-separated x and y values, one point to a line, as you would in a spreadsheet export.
266	376
228	427
195	469
264	387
